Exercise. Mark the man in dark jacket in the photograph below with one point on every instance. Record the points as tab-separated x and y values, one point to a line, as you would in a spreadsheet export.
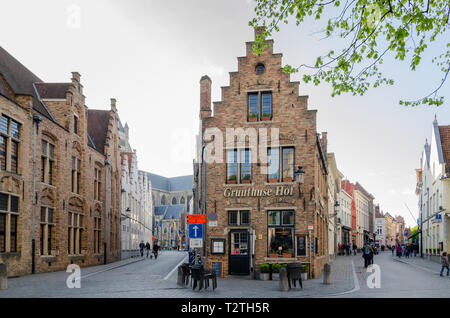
141	248
147	249
155	249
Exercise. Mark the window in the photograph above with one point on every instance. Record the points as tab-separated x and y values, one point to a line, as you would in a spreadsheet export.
75	232
217	246
97	183
75	124
281	159
9	144
239	171
236	218
47	230
280	234
48	162
9	212
260	68
260	106
76	175
97	234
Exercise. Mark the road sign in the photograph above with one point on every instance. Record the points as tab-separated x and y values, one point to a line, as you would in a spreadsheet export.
195	243
197	218
195	231
212	223
310	227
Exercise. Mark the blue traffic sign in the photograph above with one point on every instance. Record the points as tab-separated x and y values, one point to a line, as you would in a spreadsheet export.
195	230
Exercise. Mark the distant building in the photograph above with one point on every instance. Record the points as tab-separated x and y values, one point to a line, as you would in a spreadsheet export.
137	208
169	223
380	227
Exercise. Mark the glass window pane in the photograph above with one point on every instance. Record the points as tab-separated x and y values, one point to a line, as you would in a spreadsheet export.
15	129
280	241
14	204
246	165
2	153
44	148
274	163
266	104
2	233
288	164
288	218
14	156
274	218
245	217
3	202
50	215
43	219
253	107
232	218
51	150
232	168
13	233
4	124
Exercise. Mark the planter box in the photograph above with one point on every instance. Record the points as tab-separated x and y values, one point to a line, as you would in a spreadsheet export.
287	255
246	181
273	180
231	181
265	118
287	179
273	255
253	119
264	276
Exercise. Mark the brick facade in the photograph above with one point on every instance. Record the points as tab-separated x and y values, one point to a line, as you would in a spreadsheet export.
297	128
56	191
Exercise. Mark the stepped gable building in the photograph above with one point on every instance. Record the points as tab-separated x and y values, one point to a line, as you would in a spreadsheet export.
169	223
137	206
77	178
254	217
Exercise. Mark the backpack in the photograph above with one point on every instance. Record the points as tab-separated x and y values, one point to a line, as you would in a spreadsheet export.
366	250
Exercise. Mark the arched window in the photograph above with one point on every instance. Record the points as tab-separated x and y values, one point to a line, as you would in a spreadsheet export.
174	201
163	200
182	201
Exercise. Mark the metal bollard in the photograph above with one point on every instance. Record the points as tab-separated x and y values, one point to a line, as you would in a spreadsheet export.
283	279
327	274
3	277
180	279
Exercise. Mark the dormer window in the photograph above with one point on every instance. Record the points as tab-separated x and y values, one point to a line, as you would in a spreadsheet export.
260	68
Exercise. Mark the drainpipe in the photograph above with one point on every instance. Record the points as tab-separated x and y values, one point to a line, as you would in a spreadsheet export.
36	120
105	235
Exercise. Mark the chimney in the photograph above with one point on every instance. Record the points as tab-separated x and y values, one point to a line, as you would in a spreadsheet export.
113	104
76	81
205	97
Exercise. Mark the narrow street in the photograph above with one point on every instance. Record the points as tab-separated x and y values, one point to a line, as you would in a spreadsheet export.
150	278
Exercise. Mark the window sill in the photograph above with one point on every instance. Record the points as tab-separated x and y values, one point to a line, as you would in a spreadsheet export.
279	183
238	184
260	122
48	185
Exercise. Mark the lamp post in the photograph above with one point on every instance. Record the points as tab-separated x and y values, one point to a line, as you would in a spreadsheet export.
300	179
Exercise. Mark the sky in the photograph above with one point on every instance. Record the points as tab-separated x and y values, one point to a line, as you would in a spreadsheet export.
150	56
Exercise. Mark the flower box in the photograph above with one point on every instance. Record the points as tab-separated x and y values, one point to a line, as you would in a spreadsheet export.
275	255
246	181
287	179
264	276
287	255
304	276
253	118
231	181
265	118
273	180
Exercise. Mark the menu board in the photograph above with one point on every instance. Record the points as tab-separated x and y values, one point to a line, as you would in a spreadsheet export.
301	246
216	267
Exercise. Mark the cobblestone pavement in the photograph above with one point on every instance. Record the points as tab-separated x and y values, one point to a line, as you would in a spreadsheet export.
157	279
423	264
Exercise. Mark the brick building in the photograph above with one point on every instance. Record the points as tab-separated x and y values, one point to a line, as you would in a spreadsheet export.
77	174
254	216
350	189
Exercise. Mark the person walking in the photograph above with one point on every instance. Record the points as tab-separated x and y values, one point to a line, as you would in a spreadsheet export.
399	251
147	249
393	249
156	248
354	248
444	263
407	248
141	248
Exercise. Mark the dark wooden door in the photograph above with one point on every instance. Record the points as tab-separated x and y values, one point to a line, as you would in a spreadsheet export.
239	252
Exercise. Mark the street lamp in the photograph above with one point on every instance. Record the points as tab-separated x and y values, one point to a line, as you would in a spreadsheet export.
300	179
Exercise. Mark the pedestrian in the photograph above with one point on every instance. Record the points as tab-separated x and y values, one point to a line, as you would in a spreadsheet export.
147	249
407	251
399	251
392	248
141	248
366	255
156	248
444	263
354	248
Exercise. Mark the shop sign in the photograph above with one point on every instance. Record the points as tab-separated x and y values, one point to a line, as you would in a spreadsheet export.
254	192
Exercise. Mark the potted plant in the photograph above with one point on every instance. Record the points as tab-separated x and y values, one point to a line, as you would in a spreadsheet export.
304	272
246	179
287	254
287	179
276	268
273	255
252	117
266	116
273	180
265	269
232	179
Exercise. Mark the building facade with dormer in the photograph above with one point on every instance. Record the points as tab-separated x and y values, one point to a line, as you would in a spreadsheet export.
137	204
256	211
433	191
74	194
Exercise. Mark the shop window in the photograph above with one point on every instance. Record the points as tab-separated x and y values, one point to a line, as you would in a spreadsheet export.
281	234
